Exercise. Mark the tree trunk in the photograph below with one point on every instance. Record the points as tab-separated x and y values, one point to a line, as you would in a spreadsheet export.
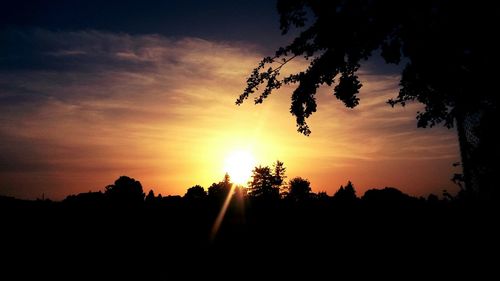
479	148
465	151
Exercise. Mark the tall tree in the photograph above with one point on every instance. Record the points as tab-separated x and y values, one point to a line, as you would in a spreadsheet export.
150	198
279	171
345	194
450	61
263	184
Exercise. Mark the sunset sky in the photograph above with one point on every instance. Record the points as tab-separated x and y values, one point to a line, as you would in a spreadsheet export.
92	91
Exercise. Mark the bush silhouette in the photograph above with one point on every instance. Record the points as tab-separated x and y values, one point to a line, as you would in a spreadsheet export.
195	193
299	189
125	191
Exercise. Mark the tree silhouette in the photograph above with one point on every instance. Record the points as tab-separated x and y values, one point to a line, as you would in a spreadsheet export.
86	199
196	192
449	61
387	197
263	184
279	175
299	189
150	198
322	196
345	194
219	191
125	191
240	192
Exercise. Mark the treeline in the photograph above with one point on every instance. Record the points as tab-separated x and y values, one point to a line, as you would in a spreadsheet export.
273	218
268	186
128	192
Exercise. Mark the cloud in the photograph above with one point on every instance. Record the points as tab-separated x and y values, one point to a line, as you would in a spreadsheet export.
77	101
79	109
378	131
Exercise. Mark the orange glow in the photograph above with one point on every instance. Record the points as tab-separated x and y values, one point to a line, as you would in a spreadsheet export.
169	120
239	165
221	214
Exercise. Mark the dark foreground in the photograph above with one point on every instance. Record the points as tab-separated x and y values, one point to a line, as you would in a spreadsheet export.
319	239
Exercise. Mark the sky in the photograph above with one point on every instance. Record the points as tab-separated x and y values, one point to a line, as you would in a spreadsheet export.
90	91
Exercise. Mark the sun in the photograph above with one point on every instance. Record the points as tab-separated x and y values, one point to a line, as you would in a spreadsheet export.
239	165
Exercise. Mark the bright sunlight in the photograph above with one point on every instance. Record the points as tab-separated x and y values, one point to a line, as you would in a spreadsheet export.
239	165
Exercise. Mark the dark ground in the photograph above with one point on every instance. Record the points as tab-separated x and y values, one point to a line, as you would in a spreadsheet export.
318	239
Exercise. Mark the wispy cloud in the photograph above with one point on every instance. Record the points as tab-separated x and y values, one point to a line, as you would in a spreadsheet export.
80	108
